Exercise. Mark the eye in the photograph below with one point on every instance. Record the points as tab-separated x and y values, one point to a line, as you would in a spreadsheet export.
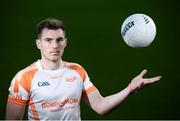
48	39
60	39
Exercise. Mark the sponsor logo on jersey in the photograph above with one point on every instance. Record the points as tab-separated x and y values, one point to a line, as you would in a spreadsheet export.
59	103
41	84
62	108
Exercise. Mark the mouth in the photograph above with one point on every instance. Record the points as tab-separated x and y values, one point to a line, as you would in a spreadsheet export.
55	52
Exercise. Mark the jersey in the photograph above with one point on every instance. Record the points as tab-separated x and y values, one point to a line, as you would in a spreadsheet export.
51	95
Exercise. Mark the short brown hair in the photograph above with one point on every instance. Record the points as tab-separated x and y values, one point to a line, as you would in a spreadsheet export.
50	23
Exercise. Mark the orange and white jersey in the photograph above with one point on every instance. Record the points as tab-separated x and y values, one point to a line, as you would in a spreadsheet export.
51	95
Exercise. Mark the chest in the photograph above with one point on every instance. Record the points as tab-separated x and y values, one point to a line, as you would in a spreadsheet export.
56	86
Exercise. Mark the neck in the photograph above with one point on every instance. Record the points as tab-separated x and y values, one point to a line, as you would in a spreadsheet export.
50	65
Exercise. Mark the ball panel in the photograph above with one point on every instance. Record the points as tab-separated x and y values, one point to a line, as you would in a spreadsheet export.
138	30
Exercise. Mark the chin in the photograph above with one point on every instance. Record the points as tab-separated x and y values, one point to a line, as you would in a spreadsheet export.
55	59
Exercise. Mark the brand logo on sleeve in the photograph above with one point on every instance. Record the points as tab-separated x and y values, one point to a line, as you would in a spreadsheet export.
41	84
18	96
71	79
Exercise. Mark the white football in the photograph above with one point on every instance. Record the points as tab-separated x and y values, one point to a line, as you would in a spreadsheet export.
138	30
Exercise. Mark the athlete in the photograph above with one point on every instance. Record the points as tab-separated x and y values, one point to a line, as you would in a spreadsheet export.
53	88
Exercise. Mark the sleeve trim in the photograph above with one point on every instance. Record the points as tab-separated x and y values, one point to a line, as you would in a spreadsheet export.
89	90
16	101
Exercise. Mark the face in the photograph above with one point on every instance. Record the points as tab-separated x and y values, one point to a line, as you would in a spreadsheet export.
52	44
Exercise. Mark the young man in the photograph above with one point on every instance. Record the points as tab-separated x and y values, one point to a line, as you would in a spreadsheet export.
53	88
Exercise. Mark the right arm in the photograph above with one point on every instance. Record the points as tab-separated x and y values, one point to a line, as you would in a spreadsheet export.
18	96
14	111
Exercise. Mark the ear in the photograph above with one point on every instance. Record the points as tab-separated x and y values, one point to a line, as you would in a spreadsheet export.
38	43
65	42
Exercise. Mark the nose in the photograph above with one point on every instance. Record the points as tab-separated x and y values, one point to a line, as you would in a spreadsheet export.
54	44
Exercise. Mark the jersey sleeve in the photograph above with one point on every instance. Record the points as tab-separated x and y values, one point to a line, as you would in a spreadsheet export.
88	87
20	88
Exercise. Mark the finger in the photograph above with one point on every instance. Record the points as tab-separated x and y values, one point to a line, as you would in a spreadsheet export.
143	72
152	80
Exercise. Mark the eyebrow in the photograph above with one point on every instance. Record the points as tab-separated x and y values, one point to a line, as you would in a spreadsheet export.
55	38
60	37
48	38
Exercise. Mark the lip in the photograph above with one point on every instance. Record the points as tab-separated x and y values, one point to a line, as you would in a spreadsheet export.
55	52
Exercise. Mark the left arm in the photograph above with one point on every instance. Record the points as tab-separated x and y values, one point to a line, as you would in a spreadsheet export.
103	105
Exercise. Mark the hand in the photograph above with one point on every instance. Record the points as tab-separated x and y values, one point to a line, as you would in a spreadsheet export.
139	82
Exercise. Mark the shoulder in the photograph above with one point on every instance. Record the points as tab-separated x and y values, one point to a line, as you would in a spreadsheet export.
73	65
76	67
28	71
24	78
